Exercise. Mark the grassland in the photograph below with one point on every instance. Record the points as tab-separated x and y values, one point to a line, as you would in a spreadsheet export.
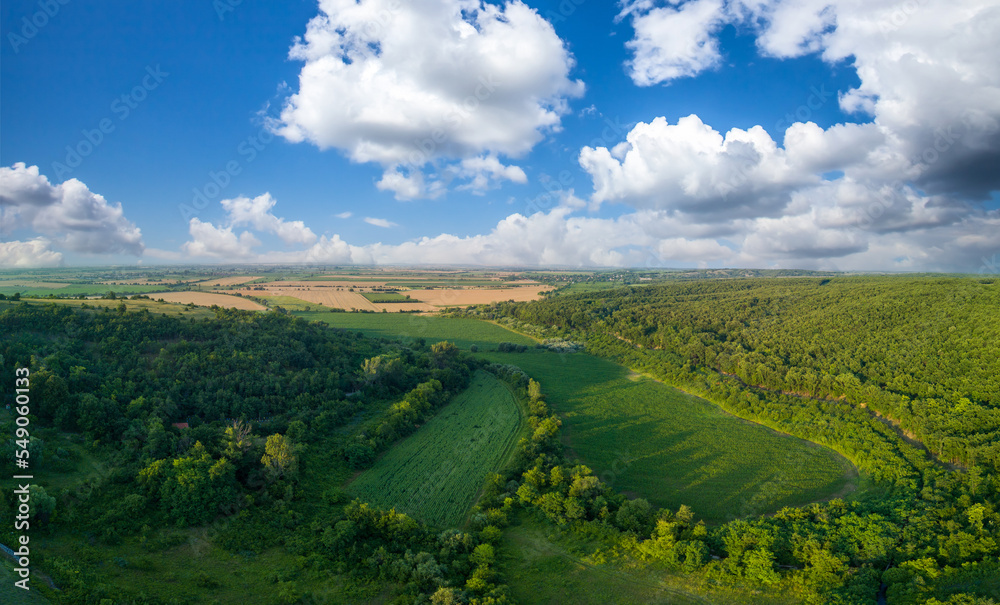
463	332
643	437
436	473
650	440
547	567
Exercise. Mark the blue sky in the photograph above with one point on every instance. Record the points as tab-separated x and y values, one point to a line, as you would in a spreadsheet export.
185	90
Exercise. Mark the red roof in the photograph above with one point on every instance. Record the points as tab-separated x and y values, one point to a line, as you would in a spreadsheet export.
181	425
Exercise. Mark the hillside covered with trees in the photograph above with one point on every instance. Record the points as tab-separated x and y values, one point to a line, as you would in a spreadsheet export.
871	367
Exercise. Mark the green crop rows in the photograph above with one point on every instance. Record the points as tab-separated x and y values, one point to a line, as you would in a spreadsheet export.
462	332
436	473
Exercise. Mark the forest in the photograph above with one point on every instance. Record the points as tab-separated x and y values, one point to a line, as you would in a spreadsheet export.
230	423
898	374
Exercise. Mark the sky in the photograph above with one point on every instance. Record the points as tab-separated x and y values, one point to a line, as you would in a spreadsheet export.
812	134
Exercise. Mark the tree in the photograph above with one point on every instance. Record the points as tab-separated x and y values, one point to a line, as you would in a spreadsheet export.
40	502
279	460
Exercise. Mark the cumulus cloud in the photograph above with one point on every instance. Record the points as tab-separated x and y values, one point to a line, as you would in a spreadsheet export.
428	84
209	241
671	42
68	215
834	225
32	253
256	213
930	81
689	166
881	194
223	242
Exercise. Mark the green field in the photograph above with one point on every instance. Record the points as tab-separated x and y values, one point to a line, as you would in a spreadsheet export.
552	568
463	332
650	440
386	297
643	437
436	474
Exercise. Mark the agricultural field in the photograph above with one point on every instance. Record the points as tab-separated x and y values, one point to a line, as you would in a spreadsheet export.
228	281
463	297
327	297
650	440
463	332
207	299
643	437
435	474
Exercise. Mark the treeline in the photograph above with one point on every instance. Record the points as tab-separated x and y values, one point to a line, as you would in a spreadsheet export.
930	535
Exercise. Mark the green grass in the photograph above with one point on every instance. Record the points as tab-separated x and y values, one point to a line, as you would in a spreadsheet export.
77	289
463	332
12	595
386	297
99	305
650	440
643	437
436	473
545	567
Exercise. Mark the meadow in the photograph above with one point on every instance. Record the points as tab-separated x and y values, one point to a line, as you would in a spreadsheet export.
462	332
436	473
550	564
646	439
650	440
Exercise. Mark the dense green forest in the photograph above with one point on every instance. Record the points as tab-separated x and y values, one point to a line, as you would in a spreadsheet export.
233	424
830	361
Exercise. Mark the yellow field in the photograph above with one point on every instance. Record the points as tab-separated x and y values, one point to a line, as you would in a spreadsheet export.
207	299
328	297
458	298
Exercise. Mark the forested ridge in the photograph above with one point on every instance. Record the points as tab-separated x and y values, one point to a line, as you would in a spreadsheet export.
923	534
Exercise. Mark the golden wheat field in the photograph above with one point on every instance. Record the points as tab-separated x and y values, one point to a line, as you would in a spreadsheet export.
458	298
207	299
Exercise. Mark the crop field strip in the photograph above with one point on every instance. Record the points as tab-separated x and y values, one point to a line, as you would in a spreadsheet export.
462	332
435	474
207	299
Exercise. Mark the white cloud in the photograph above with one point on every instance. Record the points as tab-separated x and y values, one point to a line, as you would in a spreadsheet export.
929	76
69	214
209	241
32	253
836	225
380	222
416	84
673	43
690	167
256	213
344	215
